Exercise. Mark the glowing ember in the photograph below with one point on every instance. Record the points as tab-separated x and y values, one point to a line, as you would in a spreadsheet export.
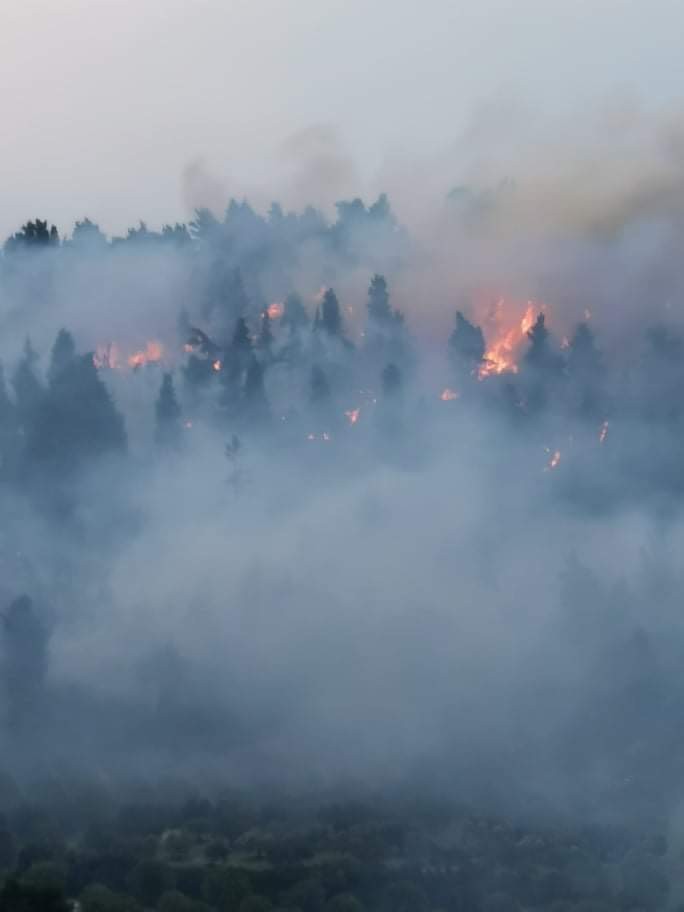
553	461
352	415
603	433
448	395
152	352
500	355
275	310
216	365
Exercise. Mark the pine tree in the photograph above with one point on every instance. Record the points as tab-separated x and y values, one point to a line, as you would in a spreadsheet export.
28	391
379	311
241	343
265	338
391	381
63	353
76	420
256	404
331	317
168	414
294	316
466	347
319	386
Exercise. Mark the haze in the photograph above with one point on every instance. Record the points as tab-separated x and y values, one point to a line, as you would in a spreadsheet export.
107	106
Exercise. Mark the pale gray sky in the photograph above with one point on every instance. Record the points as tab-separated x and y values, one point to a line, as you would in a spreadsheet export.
105	103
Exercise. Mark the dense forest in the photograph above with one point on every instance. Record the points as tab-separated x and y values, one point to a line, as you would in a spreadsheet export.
270	528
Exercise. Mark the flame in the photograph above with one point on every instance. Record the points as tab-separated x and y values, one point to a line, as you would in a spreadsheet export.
106	356
216	365
500	355
352	415
448	395
553	461
152	352
275	310
603	433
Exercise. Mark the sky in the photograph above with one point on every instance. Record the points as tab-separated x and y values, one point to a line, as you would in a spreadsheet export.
129	109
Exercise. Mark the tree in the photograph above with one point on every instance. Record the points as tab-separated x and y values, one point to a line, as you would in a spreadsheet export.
87	236
63	353
175	901
9	442
168	414
391	381
33	235
584	370
319	386
241	343
256	404
379	311
331	317
28	391
25	658
98	898
75	421
540	355
18	897
265	338
294	315
466	347
149	879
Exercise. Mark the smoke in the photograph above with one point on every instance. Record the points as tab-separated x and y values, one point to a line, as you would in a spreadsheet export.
422	595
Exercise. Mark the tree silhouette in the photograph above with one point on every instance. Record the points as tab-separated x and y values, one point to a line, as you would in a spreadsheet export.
466	347
294	315
379	311
331	317
76	420
63	353
168	414
28	391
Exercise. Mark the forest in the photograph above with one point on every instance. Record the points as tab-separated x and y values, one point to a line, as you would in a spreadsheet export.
326	587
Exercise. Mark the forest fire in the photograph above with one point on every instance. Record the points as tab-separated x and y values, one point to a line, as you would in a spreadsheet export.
275	310
109	356
216	365
448	395
499	357
152	353
352	415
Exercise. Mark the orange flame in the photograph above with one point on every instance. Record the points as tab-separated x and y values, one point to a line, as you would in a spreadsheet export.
275	310
352	415
217	365
448	395
500	356
152	352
